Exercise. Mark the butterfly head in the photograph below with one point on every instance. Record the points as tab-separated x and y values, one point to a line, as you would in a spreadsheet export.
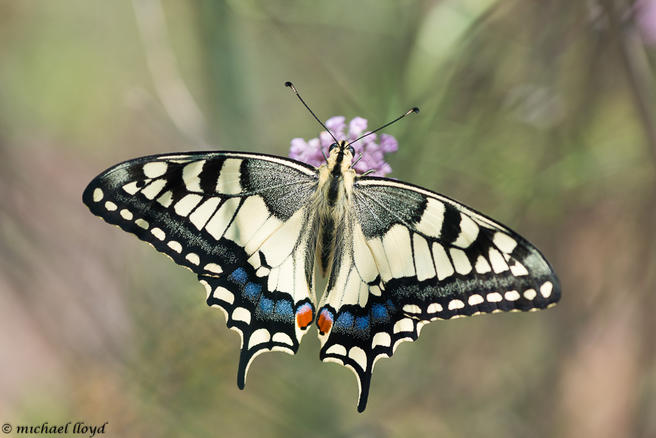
340	156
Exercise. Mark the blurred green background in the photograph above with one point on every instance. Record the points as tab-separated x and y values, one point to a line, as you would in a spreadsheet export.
539	113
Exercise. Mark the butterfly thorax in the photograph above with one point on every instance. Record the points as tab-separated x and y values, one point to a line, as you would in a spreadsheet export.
333	199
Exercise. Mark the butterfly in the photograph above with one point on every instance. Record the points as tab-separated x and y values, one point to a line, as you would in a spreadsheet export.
256	229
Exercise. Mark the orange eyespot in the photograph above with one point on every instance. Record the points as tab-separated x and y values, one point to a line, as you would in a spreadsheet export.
304	317
324	322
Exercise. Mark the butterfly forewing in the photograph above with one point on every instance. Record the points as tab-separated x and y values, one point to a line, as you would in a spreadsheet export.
239	221
412	256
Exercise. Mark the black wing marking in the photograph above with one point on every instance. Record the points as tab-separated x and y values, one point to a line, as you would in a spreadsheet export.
414	256
239	221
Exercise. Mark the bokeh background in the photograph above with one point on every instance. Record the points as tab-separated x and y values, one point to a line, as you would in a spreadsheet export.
539	113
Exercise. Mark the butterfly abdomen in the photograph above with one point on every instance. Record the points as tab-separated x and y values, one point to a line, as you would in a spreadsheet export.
326	243
331	216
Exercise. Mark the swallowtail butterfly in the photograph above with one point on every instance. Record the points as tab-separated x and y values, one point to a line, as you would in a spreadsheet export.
254	226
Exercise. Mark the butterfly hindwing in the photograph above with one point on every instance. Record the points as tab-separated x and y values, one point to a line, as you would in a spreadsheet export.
413	256
239	221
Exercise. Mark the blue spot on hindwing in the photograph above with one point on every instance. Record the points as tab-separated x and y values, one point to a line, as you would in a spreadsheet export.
284	310
344	321
379	312
266	305
239	275
252	291
362	323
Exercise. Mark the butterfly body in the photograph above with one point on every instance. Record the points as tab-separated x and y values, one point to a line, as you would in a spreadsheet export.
333	196
253	227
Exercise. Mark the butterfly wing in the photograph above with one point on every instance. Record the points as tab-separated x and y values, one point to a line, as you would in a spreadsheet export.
413	256
239	221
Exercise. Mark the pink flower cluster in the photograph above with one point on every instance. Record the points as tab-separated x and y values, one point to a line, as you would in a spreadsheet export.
372	151
646	19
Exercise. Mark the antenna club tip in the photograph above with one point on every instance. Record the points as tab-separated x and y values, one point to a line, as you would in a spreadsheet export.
288	84
415	110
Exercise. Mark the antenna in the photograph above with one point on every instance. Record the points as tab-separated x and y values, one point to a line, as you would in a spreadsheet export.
410	111
290	85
